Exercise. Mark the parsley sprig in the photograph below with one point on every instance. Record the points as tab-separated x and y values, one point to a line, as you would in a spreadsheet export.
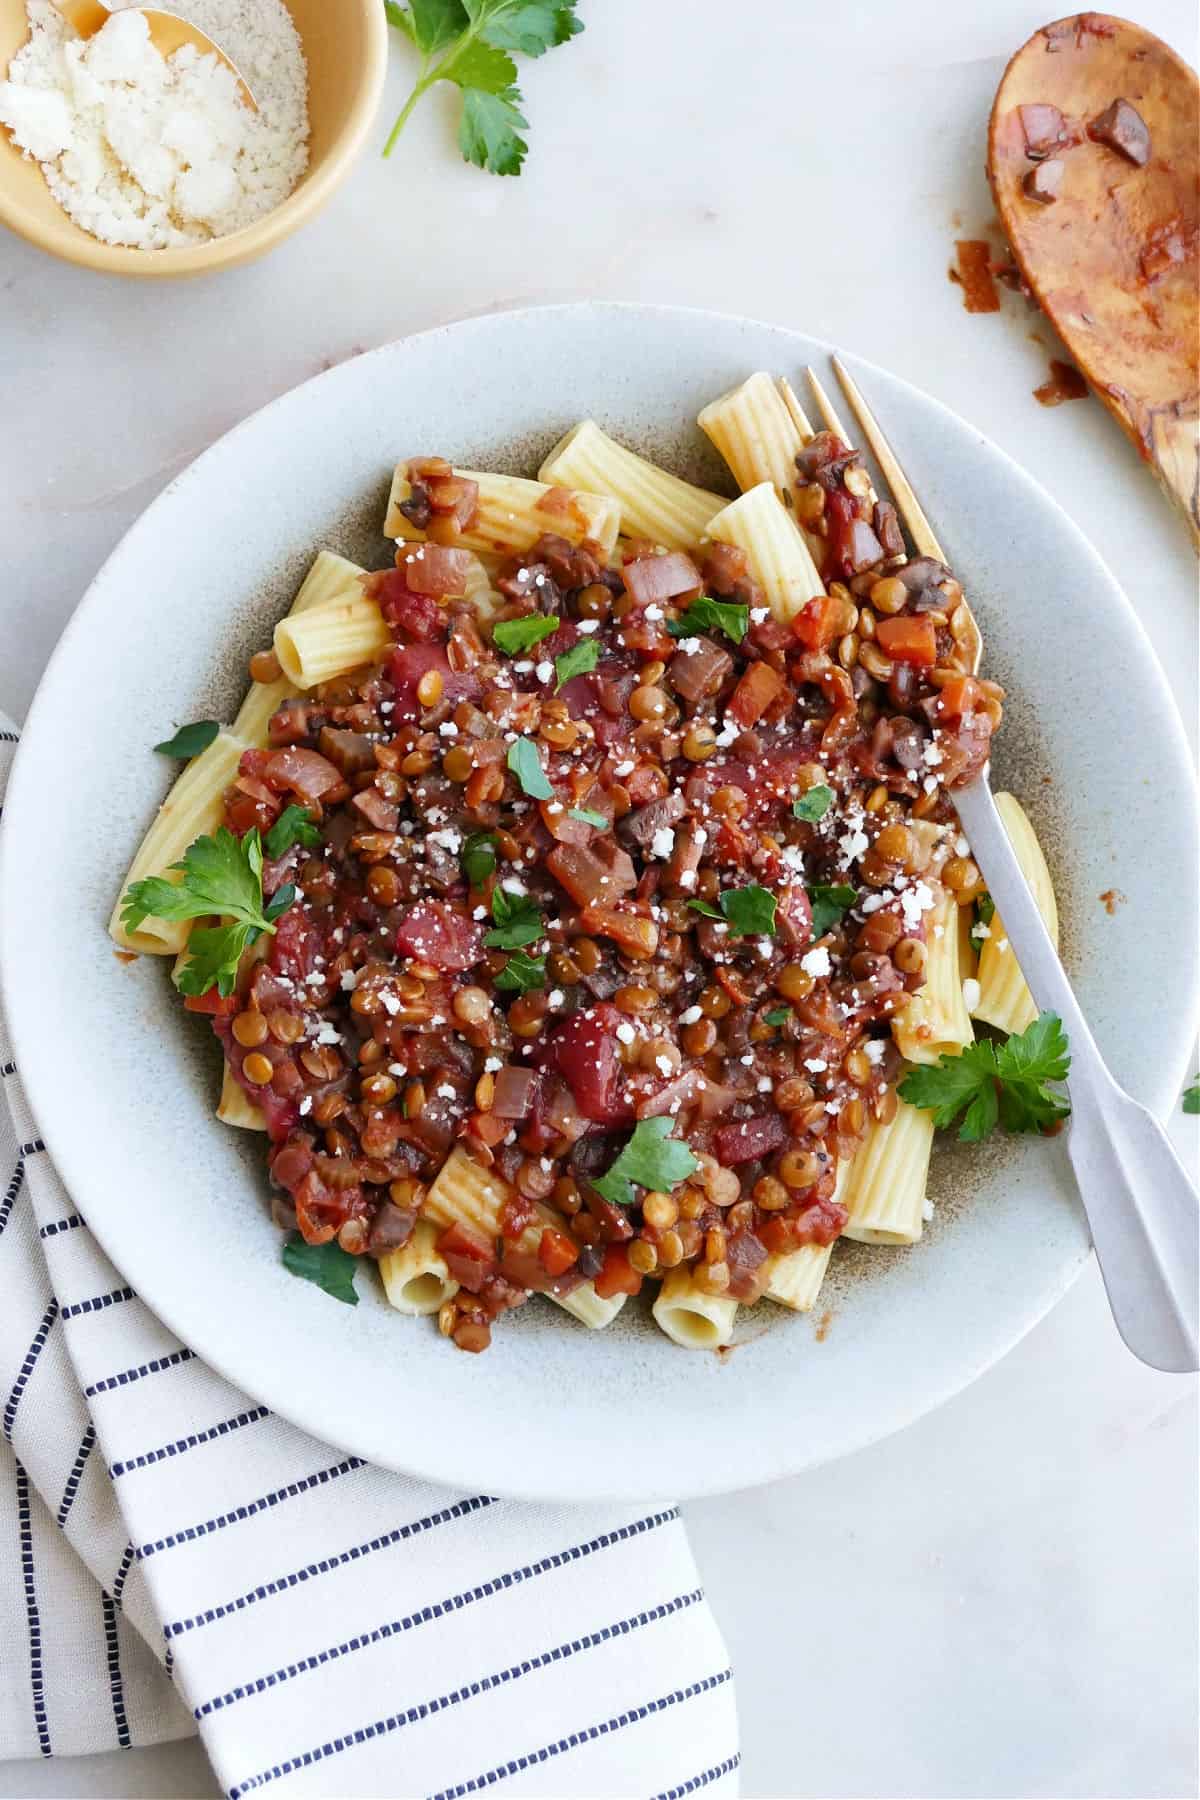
471	43
707	614
749	911
652	1158
992	1083
328	1266
222	876
518	921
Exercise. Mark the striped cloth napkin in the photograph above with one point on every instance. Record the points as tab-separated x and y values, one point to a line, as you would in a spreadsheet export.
176	1558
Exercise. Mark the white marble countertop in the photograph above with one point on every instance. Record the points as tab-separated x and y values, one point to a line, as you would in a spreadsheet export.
1000	1601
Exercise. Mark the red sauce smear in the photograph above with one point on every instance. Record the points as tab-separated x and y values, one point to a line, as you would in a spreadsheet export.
1065	383
974	274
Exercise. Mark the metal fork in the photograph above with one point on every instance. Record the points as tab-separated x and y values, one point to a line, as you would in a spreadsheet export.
1140	1204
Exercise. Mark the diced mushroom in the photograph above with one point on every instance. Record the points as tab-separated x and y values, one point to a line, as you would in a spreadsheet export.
700	673
1043	181
640	827
1045	130
1122	127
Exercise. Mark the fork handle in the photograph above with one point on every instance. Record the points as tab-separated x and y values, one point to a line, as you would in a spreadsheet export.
1140	1204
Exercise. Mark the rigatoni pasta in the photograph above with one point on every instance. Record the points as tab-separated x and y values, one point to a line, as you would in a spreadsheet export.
691	1317
415	1277
330	640
511	513
759	525
1004	1000
885	1193
192	809
654	504
331	578
934	1021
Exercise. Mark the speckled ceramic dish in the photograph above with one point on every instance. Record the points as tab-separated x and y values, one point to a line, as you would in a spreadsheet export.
124	1082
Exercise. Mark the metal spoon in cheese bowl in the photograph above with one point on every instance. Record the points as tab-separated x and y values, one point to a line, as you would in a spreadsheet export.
168	33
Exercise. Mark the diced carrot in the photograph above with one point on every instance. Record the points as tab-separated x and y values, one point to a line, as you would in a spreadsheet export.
556	1252
818	623
958	698
758	689
908	640
617	1276
221	1006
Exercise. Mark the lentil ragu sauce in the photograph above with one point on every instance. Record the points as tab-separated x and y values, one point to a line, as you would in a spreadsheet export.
379	1028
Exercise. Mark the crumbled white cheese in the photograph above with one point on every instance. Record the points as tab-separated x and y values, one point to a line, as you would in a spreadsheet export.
328	1034
446	1092
448	729
448	839
691	1016
927	1209
349	980
556	997
932	756
815	1064
914	902
626	1032
663	842
491	1064
587	626
971	992
726	735
545	672
624	768
816	962
157	152
689	645
875	1049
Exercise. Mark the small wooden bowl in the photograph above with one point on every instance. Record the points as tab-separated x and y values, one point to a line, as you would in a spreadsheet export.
345	45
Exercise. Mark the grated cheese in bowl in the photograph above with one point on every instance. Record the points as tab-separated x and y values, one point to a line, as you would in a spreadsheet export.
153	152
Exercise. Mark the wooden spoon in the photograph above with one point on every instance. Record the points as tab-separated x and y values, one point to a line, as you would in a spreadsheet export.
1112	259
167	34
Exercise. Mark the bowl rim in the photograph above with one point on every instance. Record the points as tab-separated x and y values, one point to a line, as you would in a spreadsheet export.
72	245
450	1466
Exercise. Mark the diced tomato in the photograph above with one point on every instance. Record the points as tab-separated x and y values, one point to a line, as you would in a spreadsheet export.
758	689
468	1257
818	623
415	613
749	1139
296	945
584	1051
557	1251
908	640
436	932
487	1128
406	668
617	1276
216	1004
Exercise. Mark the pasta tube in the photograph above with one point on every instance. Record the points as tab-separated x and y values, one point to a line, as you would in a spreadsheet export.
192	809
653	503
235	1107
415	1278
885	1195
330	578
779	558
755	433
330	640
935	1021
691	1318
463	1193
794	1279
1004	1000
512	513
